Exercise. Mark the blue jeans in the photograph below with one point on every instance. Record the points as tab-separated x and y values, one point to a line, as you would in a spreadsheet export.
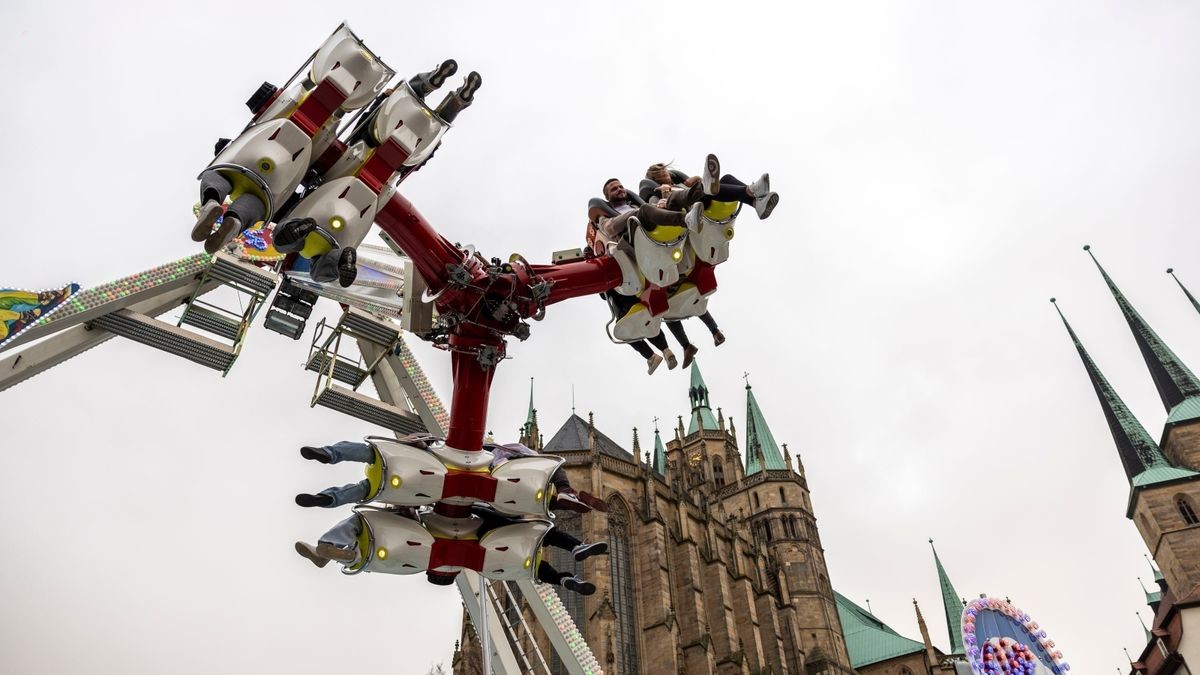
349	451
344	534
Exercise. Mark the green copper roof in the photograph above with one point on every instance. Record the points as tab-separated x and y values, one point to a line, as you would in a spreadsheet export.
761	451
1185	290
1140	455
1174	381
868	639
951	603
702	417
1186	411
660	455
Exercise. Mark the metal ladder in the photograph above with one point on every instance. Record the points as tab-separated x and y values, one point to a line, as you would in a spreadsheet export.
326	360
516	628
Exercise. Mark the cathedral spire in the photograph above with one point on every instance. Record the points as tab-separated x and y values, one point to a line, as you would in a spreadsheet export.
950	603
1139	453
761	451
660	454
702	417
1175	383
529	430
1186	292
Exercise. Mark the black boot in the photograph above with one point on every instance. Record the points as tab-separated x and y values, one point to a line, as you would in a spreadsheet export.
347	267
289	237
307	500
462	97
424	84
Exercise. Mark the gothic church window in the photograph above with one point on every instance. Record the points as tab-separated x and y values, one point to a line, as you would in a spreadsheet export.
782	496
718	472
1186	509
620	556
757	504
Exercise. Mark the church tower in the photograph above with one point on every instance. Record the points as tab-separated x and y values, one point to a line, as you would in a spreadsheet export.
783	527
1164	478
531	437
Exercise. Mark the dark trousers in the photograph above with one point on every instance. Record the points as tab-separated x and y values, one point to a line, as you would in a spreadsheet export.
247	208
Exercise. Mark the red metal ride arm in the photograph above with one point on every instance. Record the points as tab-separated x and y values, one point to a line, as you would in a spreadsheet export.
429	251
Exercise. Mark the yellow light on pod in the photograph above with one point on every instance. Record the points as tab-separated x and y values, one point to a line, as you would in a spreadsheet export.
266	165
528	563
381	553
395	481
538	496
728	233
336	223
677	255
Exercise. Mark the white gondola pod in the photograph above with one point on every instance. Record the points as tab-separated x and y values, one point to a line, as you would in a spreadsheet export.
636	324
268	160
659	258
710	237
344	210
404	475
405	120
685	302
632	280
511	552
347	63
390	543
523	485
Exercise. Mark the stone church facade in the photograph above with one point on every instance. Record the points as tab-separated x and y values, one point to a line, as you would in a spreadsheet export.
715	562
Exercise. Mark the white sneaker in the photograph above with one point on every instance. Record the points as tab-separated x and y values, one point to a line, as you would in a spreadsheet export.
206	217
652	364
762	186
692	218
765	204
671	360
712	175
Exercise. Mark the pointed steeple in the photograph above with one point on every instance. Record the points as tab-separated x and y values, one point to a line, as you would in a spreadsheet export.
761	451
1149	635
1174	381
530	437
702	417
1185	290
637	448
660	454
950	603
930	655
1140	455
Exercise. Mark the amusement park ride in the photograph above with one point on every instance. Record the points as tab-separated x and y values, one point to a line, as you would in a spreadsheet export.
285	208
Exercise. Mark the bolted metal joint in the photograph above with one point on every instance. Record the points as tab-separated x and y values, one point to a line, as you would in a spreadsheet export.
488	356
457	275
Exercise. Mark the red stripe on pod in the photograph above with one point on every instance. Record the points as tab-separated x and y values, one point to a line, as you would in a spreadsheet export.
474	484
704	276
456	553
318	107
387	160
330	157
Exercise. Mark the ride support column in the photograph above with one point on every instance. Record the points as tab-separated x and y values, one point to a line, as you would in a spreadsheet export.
472	386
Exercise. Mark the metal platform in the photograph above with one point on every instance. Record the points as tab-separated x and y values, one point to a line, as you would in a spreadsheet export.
343	370
359	324
250	278
172	339
215	322
370	410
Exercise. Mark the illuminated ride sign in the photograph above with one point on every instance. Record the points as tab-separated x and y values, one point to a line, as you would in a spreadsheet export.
1000	638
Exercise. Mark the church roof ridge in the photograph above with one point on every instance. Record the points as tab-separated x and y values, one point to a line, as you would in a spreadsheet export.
868	639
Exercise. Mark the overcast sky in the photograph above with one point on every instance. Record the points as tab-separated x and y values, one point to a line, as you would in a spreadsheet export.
939	164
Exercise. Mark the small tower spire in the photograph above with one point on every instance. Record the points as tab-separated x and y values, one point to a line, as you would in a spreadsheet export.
1186	292
702	417
950	603
1138	452
660	454
1174	381
930	655
761	451
530	436
637	448
1143	622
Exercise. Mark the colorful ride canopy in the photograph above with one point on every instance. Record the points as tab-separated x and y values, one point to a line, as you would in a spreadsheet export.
1000	638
